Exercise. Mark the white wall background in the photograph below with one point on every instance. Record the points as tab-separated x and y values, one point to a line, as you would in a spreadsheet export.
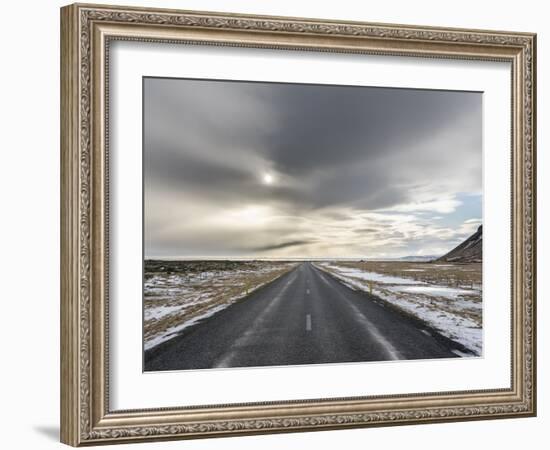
29	227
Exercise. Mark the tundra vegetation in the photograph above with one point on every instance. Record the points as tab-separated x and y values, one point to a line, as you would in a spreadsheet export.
178	294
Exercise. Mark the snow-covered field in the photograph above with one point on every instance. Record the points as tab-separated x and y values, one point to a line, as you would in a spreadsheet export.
446	296
178	294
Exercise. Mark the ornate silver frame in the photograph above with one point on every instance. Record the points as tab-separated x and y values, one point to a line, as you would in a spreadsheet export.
86	31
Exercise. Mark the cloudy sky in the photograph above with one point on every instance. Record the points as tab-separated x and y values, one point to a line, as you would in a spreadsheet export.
239	169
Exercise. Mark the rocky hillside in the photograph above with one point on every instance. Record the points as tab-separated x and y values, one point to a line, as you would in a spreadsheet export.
468	252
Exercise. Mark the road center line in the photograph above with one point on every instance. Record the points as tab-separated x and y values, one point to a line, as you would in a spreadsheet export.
307	291
308	322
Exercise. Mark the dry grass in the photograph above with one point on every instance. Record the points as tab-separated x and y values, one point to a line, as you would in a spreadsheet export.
445	295
447	274
177	292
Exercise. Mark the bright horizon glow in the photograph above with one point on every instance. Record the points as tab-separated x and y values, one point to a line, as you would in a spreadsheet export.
249	216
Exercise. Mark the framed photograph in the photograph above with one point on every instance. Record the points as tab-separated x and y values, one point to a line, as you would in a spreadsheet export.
274	224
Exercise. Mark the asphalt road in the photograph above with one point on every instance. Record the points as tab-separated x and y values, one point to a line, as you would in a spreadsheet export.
304	317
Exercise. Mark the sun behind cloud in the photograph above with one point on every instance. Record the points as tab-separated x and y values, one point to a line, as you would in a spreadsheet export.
268	178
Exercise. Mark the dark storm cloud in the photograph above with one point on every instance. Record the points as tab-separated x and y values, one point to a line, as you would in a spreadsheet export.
207	145
334	125
366	230
264	248
180	172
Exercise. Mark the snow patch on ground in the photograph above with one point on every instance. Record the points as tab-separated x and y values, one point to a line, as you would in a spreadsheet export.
454	312
170	332
372	276
442	291
174	302
159	311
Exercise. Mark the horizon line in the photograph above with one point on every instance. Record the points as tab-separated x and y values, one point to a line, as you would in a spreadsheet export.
294	258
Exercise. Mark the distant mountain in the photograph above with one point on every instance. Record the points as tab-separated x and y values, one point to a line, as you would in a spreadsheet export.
417	258
469	251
